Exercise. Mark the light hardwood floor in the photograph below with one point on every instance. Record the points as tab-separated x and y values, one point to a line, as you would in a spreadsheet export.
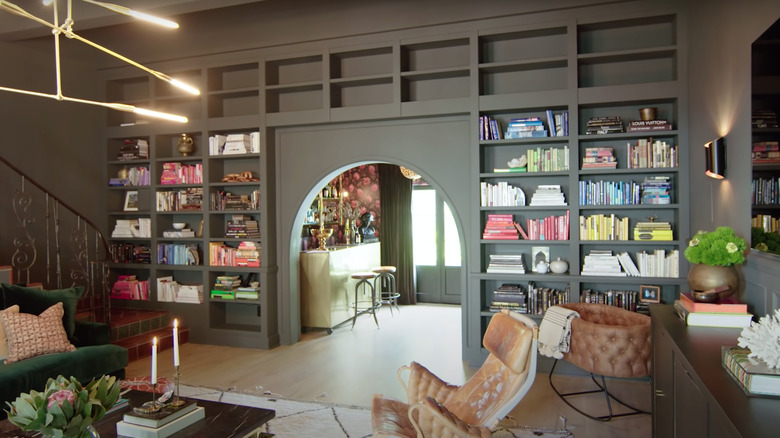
349	366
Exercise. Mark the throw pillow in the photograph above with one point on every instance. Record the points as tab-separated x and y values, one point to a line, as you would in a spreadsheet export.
33	335
3	338
35	301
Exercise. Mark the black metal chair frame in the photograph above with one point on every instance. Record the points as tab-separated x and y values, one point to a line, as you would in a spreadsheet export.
602	388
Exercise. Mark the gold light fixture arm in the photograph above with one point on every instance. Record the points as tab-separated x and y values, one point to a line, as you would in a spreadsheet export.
66	29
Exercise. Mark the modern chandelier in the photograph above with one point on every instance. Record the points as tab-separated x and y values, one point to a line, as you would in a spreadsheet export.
66	28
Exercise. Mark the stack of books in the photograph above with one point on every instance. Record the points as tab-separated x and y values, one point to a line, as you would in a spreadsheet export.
136	176
128	287
129	228
160	424
599	157
130	253
248	255
501	194
652	230
755	377
558	123
241	226
489	129
225	201
546	228
602	263
603	227
625	299
766	152
178	173
137	149
178	254
184	232
649	125
247	293
180	200
659	263
506	264
541	298
727	312
646	153
189	293
765	191
549	194
525	127
604	125
655	190
225	287
233	144
764	119
500	227
509	296
166	289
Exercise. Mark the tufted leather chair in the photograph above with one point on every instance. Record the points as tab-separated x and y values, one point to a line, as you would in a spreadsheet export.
435	408
607	341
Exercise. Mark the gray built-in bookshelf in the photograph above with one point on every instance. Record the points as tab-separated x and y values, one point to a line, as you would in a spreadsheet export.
583	67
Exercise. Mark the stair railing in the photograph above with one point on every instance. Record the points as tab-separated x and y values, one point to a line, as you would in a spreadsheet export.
52	243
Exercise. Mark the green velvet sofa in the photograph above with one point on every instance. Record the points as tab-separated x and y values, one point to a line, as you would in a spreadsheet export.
94	355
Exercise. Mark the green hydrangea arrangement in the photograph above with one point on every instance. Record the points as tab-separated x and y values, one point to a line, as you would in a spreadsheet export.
65	408
716	248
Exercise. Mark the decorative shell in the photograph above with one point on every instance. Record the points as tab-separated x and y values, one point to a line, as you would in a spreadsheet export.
763	339
518	162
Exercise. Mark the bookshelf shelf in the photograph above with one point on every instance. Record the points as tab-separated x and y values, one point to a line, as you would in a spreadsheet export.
618	70
232	104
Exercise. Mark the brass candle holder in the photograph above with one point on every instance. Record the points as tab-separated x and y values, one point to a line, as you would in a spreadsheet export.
322	235
176	400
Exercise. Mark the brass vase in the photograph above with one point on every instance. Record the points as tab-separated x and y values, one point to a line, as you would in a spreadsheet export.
185	145
711	283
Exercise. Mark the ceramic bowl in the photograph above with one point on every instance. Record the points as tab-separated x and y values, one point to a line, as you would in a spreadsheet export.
179	225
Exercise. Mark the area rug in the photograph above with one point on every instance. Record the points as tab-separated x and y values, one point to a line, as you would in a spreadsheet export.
299	418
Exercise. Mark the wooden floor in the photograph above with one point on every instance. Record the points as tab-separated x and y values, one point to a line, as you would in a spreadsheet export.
349	366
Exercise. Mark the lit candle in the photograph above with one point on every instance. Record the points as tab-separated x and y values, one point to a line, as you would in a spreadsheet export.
175	342
154	361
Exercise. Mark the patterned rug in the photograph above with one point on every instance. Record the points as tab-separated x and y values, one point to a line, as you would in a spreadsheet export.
298	418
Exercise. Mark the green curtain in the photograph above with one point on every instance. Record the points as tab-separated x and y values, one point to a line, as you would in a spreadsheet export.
395	193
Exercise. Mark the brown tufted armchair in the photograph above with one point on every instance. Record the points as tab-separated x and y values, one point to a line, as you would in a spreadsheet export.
607	341
437	409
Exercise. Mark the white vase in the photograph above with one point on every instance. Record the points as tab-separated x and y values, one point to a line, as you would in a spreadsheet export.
559	266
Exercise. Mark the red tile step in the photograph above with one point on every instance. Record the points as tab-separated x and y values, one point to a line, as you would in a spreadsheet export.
140	346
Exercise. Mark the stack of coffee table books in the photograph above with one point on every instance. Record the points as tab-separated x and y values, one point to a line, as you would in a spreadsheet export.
160	424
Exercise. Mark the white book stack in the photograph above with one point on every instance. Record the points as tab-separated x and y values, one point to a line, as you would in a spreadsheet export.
217	144
506	264
602	263
124	228
254	142
166	289
237	144
628	264
548	195
190	293
124	428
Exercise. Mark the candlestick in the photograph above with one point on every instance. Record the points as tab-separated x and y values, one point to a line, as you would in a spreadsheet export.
322	224
154	361
176	342
176	400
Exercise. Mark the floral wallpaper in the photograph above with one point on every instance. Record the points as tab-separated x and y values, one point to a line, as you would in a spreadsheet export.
361	185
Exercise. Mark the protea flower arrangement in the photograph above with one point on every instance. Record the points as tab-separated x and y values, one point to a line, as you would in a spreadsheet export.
65	409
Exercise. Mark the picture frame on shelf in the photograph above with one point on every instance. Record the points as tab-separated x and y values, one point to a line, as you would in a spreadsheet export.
649	293
131	200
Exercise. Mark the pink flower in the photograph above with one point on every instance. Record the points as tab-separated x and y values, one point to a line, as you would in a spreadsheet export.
59	396
374	187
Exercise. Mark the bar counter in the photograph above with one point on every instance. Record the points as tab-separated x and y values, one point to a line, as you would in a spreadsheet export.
327	289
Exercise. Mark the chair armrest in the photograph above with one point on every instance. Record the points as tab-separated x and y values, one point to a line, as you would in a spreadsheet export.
431	419
92	333
423	383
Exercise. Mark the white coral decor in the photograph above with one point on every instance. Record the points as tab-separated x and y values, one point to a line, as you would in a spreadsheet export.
763	339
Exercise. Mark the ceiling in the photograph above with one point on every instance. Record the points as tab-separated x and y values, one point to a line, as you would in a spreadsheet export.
87	16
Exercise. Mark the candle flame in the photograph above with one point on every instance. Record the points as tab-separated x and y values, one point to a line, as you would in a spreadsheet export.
154	340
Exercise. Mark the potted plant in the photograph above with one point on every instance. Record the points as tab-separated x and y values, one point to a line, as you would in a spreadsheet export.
65	409
714	255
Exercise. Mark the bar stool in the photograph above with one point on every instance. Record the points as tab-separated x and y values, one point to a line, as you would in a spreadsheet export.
388	292
363	281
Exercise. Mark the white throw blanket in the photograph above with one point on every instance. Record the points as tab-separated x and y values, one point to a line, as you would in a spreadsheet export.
555	331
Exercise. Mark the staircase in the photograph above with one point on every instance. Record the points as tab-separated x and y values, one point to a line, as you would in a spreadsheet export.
134	330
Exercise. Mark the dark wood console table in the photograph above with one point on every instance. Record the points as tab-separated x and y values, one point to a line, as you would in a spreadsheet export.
693	395
222	420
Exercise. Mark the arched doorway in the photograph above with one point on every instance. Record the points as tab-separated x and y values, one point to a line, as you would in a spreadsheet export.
309	157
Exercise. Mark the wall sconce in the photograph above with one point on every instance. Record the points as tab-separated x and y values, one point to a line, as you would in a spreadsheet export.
715	154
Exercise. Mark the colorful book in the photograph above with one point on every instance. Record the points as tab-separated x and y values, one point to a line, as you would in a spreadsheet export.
712	319
728	304
753	376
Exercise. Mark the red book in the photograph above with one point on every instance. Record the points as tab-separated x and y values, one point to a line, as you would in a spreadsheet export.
725	305
500	237
521	230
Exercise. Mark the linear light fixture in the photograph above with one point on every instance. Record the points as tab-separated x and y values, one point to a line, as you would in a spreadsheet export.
66	29
136	14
